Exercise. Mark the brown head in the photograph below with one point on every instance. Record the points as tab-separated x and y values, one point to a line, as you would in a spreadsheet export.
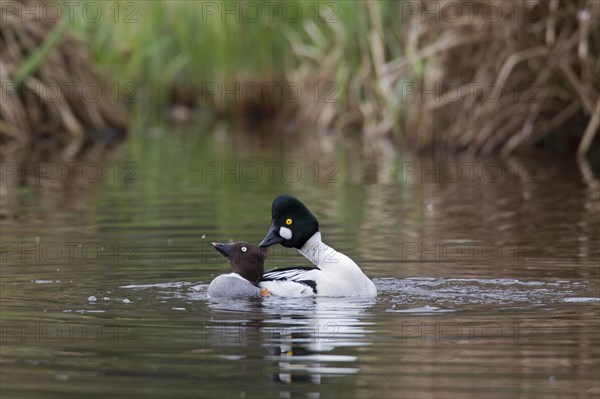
246	259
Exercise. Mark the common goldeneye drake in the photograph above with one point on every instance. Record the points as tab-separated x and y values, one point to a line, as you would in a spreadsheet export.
247	264
335	274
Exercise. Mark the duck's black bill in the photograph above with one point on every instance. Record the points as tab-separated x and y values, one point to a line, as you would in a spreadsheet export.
272	237
225	249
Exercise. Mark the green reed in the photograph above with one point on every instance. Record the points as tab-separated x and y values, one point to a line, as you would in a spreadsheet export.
159	45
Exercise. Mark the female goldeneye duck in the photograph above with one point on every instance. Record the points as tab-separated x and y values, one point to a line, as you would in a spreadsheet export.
335	274
247	264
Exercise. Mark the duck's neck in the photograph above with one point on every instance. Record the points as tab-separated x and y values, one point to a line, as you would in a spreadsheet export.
314	249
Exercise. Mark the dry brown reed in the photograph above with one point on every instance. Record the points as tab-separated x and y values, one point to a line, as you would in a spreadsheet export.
349	94
528	76
474	77
53	104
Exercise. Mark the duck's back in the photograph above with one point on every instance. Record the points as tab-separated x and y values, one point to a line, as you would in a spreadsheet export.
232	285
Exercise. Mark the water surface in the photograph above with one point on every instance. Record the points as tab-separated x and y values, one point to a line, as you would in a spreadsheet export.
488	287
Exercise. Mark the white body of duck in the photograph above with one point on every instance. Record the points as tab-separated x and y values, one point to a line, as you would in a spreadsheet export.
335	275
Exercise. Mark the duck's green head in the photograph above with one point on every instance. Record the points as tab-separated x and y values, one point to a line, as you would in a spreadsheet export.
292	224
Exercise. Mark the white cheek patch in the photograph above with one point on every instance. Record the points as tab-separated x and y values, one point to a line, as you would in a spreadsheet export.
285	233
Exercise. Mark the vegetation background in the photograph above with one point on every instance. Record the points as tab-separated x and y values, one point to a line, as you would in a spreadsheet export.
481	78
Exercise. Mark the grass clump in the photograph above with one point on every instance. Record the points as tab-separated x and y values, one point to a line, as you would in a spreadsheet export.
526	75
53	102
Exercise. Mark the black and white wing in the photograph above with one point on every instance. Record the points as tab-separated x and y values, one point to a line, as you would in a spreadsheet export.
287	273
291	281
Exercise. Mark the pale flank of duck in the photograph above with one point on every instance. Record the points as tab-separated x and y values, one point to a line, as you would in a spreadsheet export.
335	274
232	285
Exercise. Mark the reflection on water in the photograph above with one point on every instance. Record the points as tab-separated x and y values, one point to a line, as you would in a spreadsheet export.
487	286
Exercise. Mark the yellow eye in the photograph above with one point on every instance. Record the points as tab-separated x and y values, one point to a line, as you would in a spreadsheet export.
289	221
